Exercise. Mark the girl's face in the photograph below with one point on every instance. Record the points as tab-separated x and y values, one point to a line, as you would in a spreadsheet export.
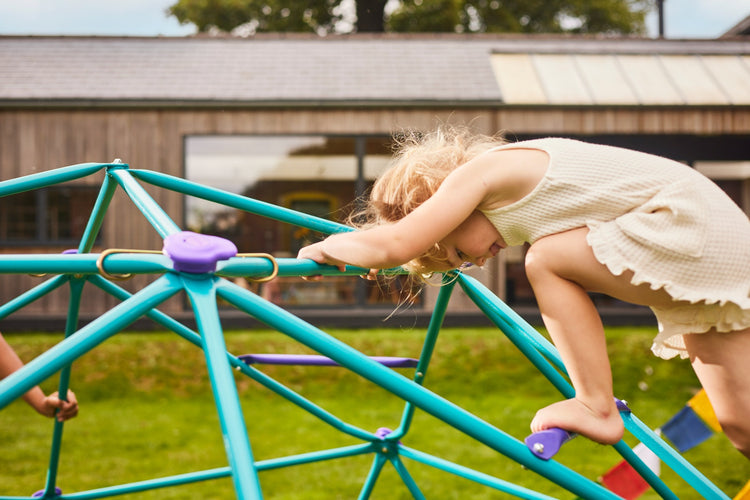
474	241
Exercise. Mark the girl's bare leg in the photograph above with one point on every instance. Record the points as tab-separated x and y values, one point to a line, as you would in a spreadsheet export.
722	363
562	269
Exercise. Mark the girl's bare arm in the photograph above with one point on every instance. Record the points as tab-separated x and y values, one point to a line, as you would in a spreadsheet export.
487	180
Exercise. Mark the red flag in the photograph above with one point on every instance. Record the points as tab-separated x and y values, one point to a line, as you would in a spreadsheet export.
623	480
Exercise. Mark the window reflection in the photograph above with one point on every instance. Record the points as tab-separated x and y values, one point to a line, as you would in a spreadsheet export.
316	175
54	215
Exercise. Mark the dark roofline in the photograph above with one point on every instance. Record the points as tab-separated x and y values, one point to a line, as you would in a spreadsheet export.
260	104
388	36
742	28
364	104
506	42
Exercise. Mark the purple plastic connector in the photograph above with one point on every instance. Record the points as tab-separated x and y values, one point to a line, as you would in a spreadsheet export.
197	253
382	432
622	406
40	493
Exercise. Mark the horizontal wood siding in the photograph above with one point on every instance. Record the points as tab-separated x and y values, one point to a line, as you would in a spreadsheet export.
34	140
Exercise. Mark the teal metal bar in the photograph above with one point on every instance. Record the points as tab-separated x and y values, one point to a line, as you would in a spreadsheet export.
673	460
484	299
517	327
428	347
94	224
379	460
406	478
208	475
258	267
148	207
71	325
471	474
141	486
313	457
117	263
201	290
49	178
53	360
241	202
30	296
433	404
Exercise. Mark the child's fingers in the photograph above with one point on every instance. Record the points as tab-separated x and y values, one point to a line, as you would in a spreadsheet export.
371	275
65	409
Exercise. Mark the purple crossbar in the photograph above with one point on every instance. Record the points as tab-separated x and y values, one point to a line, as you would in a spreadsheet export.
316	360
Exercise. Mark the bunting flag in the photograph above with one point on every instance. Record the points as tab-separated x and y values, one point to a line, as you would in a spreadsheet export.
648	457
692	425
744	494
623	480
702	407
686	429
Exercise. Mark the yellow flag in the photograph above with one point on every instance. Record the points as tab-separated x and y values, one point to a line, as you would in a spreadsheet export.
744	494
702	407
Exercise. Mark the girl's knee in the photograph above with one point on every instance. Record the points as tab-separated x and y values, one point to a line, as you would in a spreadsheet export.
539	261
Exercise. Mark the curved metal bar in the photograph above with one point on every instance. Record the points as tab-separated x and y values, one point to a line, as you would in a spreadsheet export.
50	177
241	202
110	251
269	257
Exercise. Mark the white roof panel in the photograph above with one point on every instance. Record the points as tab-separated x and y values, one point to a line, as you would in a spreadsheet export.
605	80
518	79
560	79
693	80
650	82
623	79
732	75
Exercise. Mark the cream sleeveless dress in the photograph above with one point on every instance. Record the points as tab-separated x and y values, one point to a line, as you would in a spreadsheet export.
662	220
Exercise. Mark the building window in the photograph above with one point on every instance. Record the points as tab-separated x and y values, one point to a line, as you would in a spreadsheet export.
313	174
49	216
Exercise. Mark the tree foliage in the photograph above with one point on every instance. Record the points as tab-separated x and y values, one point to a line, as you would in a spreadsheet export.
462	16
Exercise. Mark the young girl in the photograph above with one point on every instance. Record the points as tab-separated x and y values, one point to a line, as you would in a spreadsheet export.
49	406
634	226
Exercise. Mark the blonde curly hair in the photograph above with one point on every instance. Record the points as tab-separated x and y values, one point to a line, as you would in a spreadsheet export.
420	164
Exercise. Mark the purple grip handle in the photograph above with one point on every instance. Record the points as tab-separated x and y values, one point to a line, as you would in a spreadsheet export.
545	444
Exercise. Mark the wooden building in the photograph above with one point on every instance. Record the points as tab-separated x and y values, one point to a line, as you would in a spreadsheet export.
307	122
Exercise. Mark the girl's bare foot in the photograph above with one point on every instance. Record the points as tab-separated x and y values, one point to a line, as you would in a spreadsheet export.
602	425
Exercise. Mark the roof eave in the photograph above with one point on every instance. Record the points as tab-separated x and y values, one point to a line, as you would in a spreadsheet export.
254	104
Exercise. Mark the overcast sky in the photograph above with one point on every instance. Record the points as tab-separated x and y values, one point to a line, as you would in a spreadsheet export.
684	18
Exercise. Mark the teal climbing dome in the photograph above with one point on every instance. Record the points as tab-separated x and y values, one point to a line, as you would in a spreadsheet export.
203	267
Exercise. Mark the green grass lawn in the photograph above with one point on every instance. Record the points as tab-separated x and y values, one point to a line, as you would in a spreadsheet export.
147	412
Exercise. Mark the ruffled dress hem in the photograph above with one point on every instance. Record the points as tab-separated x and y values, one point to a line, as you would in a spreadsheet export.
698	312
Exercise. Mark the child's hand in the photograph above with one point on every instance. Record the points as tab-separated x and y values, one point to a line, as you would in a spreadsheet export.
313	252
372	275
316	253
65	409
